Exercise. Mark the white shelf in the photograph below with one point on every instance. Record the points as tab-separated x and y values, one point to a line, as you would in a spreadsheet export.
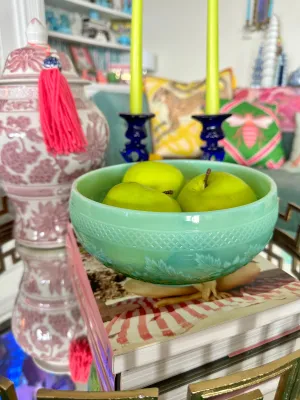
82	6
88	41
94	88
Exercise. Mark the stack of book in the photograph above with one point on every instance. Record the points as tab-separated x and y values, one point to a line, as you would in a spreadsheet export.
176	345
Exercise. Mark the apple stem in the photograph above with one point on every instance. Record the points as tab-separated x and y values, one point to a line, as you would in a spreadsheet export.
169	192
206	177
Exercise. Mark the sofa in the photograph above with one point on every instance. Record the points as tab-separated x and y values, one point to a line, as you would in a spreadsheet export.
112	103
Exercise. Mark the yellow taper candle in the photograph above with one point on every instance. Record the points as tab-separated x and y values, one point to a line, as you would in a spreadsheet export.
212	58
136	58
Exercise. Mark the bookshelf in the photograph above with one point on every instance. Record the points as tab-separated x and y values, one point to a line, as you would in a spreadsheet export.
87	41
84	6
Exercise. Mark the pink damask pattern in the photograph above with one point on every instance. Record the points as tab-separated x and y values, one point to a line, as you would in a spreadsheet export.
16	125
81	104
31	317
21	205
16	157
24	343
50	273
41	222
62	285
96	143
47	340
18	105
27	57
32	287
21	223
49	219
45	334
60	323
34	135
46	316
64	177
54	275
27	170
45	346
76	314
44	172
2	104
8	177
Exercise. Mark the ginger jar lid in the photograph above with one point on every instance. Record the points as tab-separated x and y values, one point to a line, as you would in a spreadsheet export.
26	63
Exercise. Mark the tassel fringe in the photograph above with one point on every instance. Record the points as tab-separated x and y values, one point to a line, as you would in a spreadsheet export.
59	119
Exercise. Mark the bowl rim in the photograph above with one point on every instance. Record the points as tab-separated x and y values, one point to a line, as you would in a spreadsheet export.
272	191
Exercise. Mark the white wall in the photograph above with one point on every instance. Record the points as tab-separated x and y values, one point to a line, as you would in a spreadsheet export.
176	31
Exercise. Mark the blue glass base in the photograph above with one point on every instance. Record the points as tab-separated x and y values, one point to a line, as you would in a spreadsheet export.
135	150
212	133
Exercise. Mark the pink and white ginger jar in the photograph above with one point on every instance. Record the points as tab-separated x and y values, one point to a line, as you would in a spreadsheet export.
46	317
38	183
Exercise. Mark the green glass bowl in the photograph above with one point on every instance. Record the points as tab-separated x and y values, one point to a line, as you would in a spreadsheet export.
173	248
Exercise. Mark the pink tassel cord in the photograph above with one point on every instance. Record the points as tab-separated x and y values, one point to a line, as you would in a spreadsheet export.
59	119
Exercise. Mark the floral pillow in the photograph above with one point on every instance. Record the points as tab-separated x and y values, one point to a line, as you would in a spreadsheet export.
174	132
252	135
293	165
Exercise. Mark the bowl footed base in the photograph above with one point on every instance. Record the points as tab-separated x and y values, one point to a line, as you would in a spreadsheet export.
207	291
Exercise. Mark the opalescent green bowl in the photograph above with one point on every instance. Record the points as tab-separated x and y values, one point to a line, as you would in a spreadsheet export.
173	248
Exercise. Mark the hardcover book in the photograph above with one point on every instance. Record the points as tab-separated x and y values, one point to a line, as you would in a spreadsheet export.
146	344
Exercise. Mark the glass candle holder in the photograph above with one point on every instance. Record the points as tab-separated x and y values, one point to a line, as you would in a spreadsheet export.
212	133
136	150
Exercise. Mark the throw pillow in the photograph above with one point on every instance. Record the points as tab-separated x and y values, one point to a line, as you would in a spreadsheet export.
293	165
174	133
252	135
286	99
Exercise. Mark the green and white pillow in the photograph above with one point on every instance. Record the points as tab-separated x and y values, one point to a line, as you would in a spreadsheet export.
293	165
252	135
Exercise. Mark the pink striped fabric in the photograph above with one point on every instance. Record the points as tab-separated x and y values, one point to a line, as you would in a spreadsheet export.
150	323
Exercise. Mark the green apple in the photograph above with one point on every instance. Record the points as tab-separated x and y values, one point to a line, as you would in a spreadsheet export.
215	191
133	196
157	175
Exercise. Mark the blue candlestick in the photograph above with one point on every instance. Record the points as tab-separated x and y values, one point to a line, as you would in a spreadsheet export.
135	150
212	133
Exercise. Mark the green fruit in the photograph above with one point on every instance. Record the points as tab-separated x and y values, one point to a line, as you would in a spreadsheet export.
157	175
215	191
134	196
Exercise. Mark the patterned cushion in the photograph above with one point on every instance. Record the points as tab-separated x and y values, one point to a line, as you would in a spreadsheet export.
174	133
287	100
252	135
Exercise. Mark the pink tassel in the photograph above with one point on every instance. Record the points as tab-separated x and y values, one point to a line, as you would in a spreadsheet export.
59	119
80	360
